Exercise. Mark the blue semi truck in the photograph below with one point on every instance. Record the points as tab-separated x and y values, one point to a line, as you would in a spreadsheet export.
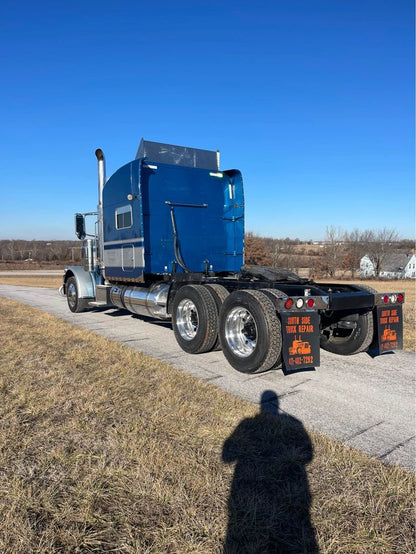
169	243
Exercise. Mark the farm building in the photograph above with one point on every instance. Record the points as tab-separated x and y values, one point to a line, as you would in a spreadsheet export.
396	265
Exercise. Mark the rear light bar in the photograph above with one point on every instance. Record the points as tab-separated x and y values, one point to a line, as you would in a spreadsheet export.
306	303
294	303
390	298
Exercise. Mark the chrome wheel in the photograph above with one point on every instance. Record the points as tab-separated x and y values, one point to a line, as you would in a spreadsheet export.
241	332
187	320
195	319
71	294
75	303
250	331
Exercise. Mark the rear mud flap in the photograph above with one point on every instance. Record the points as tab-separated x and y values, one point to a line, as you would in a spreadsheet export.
301	336
388	332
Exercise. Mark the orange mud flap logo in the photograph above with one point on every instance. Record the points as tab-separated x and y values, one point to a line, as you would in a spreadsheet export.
299	347
389	328
388	335
300	340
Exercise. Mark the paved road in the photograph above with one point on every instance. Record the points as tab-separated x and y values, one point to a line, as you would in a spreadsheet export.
367	403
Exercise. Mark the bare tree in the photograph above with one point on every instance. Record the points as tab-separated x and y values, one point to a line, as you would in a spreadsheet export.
282	254
333	253
381	243
255	251
356	246
11	247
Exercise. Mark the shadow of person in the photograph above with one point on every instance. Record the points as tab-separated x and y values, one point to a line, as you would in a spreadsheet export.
269	502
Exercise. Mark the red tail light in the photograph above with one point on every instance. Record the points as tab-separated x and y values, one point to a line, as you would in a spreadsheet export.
288	303
400	298
311	303
385	299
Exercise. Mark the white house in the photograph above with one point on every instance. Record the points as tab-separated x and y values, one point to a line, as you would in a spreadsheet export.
395	266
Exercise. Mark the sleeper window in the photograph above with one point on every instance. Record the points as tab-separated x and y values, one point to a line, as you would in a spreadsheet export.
124	217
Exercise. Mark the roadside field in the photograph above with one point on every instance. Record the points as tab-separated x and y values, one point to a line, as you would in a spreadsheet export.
105	449
44	281
409	332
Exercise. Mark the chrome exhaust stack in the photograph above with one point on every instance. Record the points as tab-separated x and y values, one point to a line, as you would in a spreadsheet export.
101	174
101	183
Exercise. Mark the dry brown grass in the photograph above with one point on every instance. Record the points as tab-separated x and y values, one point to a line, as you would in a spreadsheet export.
44	281
104	449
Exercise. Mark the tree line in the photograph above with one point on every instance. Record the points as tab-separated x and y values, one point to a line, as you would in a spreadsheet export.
340	253
40	250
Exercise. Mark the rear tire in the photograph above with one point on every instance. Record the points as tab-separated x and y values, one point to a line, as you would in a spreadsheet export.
194	319
249	331
358	340
219	294
75	303
349	341
275	295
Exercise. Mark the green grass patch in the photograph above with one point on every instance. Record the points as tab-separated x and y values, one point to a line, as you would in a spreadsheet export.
103	449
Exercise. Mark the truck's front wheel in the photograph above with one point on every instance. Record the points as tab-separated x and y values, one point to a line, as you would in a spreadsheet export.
75	303
249	331
195	319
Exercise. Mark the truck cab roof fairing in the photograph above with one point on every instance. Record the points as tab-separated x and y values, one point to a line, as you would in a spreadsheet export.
185	156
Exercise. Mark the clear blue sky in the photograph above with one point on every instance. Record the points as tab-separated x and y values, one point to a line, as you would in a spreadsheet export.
311	99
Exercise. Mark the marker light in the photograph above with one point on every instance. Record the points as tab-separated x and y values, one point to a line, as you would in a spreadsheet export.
288	303
310	302
299	303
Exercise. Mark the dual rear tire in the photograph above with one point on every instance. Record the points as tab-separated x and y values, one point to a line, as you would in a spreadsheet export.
244	324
